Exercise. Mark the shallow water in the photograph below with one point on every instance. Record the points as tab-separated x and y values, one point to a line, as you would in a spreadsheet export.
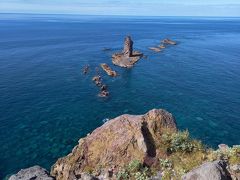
46	104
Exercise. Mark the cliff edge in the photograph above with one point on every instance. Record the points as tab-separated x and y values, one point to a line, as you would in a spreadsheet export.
116	143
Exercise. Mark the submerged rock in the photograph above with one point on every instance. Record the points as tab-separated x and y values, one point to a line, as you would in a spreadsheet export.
116	143
169	41
108	70
97	80
85	69
32	173
216	170
156	49
103	93
127	58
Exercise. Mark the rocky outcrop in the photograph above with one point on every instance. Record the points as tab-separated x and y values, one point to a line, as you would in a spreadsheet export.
108	70
156	49
116	143
127	58
32	173
128	47
103	88
169	41
216	170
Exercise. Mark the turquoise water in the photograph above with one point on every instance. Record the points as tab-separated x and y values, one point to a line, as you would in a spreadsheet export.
46	104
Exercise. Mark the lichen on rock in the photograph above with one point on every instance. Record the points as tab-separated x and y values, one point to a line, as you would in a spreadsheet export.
116	143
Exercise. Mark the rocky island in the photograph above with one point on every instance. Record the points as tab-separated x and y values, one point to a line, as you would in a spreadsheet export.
128	57
141	147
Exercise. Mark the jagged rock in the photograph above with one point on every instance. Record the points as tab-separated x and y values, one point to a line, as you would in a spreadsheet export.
116	143
103	93
97	80
108	70
127	58
128	47
156	49
169	41
209	171
32	173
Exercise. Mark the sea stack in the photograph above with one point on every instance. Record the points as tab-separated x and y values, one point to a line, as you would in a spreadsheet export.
127	58
128	47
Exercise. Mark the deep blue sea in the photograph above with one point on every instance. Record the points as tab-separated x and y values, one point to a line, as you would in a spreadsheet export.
46	104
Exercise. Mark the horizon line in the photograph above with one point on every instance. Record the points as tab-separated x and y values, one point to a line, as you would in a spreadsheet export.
32	13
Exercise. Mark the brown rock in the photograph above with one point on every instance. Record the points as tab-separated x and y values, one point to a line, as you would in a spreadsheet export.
108	70
116	143
169	41
128	57
156	49
128	47
97	80
103	93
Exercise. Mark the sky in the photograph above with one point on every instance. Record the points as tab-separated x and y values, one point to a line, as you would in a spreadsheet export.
125	7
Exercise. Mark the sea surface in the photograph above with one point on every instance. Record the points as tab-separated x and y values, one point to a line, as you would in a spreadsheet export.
47	104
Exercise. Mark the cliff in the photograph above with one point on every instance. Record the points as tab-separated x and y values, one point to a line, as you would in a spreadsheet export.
116	143
142	147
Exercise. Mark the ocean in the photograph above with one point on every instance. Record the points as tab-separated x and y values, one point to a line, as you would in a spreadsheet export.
47	104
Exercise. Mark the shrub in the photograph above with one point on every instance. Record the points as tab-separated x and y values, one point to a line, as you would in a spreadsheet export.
181	142
165	164
122	175
134	166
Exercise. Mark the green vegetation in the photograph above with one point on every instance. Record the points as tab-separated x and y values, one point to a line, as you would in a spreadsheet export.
178	153
134	170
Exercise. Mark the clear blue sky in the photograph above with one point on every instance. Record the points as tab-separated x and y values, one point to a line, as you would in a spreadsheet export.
125	7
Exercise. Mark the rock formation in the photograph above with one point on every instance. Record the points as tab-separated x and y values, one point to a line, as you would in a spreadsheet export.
108	70
128	47
116	143
169	41
32	173
216	170
103	88
156	49
127	58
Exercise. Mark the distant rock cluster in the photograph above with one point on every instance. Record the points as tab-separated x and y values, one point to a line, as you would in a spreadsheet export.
126	59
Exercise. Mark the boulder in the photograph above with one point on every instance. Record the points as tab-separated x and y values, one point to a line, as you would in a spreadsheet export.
116	143
32	173
216	170
127	58
223	147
